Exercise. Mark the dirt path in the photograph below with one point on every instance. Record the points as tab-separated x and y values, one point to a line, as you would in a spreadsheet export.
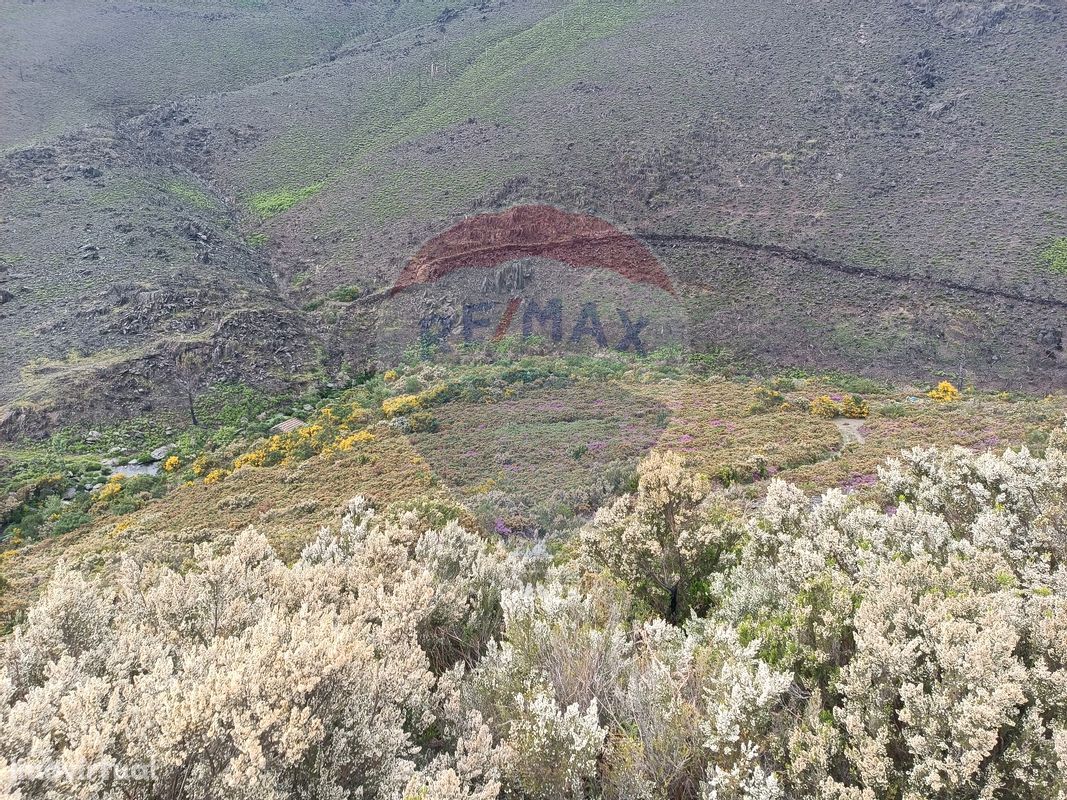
851	431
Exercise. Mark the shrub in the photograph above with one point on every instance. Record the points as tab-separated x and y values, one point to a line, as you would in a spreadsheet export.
421	422
244	677
346	294
855	407
255	458
944	393
359	437
110	490
825	408
401	404
830	648
215	476
664	538
69	521
767	399
409	403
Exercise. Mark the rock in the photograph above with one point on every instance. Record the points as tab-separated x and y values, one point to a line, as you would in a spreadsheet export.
70	493
6	296
133	462
288	426
93	436
161	452
111	462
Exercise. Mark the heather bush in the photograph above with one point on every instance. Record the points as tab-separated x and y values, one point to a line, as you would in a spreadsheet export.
665	538
909	647
247	678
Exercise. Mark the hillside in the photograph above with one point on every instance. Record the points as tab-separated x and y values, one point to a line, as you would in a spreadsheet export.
533	400
877	189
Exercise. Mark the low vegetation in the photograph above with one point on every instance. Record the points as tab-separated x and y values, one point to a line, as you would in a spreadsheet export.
685	645
531	445
1055	255
267	204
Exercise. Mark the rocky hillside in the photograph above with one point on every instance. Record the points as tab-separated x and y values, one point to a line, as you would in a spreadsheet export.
194	191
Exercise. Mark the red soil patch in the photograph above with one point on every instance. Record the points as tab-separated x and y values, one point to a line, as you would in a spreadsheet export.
490	240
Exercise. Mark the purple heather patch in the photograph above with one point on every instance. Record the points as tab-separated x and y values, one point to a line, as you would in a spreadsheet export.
860	481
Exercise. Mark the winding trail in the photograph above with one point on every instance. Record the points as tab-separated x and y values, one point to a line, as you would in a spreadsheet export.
845	268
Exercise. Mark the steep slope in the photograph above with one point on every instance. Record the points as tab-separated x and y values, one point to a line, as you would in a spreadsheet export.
866	187
68	62
125	281
870	188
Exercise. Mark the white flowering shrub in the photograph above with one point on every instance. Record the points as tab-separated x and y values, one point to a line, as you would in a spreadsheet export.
818	649
927	639
248	678
664	706
664	539
461	573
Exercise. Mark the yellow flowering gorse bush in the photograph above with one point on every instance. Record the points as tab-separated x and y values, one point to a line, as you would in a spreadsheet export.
825	408
944	393
214	476
111	489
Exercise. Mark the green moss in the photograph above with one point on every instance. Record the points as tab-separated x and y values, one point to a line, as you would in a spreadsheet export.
267	204
1054	257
